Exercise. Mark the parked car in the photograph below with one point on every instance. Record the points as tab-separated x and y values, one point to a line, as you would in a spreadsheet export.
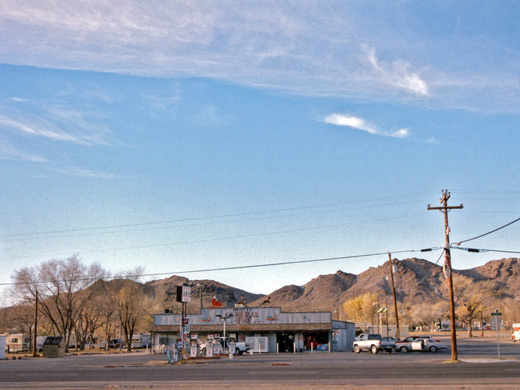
422	343
428	344
373	343
116	343
405	345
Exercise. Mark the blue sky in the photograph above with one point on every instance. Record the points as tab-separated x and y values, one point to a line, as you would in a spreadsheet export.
190	135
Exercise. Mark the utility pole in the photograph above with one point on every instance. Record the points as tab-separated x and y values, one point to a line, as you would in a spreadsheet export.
200	292
35	332
395	299
447	267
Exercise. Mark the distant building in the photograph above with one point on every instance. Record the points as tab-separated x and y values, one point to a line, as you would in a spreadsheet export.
141	340
267	328
18	342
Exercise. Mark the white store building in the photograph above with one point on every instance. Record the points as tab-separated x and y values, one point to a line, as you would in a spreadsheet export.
267	329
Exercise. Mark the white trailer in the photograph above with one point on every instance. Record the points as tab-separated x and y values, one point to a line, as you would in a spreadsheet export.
141	340
516	332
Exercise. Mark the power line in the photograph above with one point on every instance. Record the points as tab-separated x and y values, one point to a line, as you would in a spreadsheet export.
434	264
82	233
206	240
251	266
475	250
485	234
192	219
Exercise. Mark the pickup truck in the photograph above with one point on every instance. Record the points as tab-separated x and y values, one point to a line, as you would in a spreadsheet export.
240	348
373	343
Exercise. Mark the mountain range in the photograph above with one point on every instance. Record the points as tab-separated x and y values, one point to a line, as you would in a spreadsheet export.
417	281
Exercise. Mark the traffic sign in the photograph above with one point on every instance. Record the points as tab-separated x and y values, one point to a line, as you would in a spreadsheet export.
496	314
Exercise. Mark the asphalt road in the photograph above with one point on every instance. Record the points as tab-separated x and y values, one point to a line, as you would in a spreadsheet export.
479	369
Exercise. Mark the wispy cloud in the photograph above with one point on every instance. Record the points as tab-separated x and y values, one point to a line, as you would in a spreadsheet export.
361	124
37	129
17	99
209	116
57	125
9	152
397	74
80	172
315	51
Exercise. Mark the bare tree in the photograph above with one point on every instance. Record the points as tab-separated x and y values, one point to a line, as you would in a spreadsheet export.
470	296
88	321
109	318
511	310
427	314
58	283
21	319
132	305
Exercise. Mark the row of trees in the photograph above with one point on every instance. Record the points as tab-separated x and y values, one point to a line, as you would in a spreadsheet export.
474	301
74	299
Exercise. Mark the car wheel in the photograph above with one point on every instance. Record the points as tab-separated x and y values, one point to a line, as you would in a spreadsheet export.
403	349
433	348
373	349
357	349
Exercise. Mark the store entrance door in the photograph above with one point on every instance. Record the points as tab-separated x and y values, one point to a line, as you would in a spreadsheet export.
285	341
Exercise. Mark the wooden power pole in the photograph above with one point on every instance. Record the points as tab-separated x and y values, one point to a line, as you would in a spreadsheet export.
397	334
35	330
447	267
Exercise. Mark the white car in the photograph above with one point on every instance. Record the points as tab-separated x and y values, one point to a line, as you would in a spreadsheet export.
427	343
406	344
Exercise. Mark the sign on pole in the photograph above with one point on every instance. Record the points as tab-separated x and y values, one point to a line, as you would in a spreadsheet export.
184	294
497	316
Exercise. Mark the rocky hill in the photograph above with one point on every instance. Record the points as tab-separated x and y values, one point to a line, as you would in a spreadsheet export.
202	293
417	282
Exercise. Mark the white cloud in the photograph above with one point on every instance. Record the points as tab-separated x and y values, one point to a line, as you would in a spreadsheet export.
8	152
311	50
209	116
36	129
360	124
17	99
80	172
398	74
57	125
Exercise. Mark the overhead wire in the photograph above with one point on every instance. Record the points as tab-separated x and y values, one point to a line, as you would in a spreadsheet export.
204	240
239	267
492	231
85	233
475	250
437	262
192	219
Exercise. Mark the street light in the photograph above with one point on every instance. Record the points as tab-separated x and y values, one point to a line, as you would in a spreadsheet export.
381	311
225	318
200	293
